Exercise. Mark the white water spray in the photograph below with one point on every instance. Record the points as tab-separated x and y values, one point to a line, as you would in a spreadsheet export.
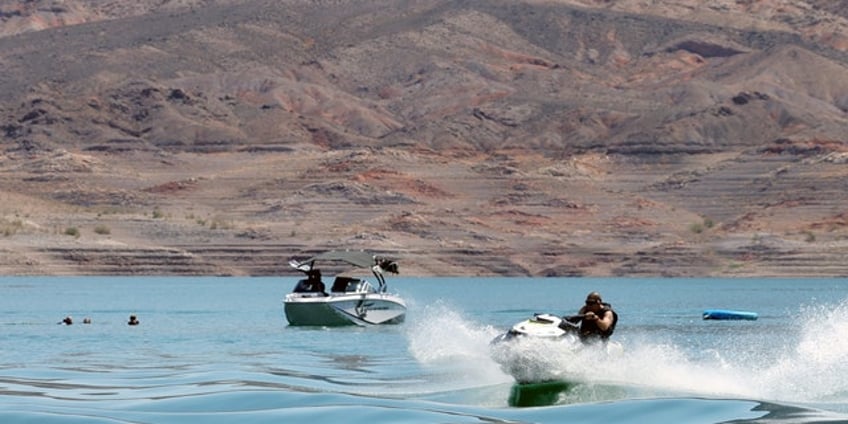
446	341
813	369
817	368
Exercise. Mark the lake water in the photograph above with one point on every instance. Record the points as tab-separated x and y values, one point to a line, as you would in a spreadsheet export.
219	350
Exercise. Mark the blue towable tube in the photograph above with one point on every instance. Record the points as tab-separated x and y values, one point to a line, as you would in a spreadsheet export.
727	314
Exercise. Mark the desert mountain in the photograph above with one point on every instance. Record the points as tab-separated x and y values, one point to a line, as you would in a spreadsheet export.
475	137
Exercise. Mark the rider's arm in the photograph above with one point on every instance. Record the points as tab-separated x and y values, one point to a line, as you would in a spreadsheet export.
605	321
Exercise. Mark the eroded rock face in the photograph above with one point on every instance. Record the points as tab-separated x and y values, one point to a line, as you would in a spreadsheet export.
469	138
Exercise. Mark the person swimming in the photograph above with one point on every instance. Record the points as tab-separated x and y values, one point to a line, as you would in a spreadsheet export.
133	320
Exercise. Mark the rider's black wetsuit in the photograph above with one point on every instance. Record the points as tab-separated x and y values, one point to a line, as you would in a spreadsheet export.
589	330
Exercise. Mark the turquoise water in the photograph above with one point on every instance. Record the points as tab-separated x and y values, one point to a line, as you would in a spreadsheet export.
219	350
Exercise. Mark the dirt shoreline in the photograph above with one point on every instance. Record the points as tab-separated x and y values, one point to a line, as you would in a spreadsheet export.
471	138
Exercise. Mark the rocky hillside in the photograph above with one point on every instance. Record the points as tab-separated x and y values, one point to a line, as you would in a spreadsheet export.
466	137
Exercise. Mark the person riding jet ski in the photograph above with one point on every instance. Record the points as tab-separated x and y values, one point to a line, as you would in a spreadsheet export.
596	318
594	322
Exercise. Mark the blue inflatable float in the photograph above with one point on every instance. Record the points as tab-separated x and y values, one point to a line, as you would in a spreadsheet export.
727	314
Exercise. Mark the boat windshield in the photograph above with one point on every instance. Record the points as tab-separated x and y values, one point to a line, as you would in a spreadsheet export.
351	285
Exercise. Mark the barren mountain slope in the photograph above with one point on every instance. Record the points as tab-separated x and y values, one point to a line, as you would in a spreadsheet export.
465	137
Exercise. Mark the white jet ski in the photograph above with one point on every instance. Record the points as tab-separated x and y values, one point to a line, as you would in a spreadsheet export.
548	347
546	326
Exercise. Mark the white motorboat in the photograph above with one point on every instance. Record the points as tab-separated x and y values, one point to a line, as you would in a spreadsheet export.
351	300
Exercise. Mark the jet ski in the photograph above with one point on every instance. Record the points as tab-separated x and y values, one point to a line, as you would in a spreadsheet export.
545	326
548	348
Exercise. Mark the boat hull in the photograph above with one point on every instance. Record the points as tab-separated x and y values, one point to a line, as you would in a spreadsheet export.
346	309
